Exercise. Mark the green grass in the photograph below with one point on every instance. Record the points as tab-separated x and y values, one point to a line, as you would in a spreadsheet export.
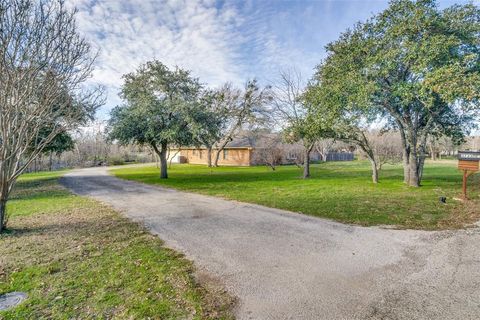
77	258
342	191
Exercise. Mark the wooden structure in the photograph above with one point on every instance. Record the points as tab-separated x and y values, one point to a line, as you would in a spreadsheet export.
468	162
230	156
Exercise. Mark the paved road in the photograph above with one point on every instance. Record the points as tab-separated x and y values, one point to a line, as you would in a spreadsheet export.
283	265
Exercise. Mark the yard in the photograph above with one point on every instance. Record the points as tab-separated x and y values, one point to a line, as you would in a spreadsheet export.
340	191
76	257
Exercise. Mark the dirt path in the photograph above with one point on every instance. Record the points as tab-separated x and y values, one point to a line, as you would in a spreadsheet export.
283	265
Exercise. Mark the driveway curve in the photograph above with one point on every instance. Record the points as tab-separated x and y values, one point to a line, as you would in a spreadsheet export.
283	265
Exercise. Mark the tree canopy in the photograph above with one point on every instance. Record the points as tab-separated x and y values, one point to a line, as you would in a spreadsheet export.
44	63
161	108
414	66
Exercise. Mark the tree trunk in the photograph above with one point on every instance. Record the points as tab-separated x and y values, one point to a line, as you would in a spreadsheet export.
209	156
324	156
162	154
405	158
414	178
220	149
163	162
306	162
420	169
374	171
3	214
433	153
217	157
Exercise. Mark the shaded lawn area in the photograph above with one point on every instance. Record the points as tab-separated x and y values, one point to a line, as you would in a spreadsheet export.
342	191
77	258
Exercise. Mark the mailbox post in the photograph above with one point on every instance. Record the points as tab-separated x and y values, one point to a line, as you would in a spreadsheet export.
468	161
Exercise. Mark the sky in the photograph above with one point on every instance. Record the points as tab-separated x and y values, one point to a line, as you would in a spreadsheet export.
218	40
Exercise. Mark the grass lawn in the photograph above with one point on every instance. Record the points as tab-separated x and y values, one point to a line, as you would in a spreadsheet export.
77	258
342	191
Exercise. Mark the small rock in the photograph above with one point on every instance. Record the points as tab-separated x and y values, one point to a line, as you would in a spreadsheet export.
11	299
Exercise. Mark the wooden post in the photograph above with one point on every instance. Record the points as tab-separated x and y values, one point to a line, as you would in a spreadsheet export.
464	185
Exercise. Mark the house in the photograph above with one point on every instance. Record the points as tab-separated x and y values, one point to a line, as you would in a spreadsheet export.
257	149
238	152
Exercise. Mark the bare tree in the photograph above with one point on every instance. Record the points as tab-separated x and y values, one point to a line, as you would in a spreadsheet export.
240	107
438	146
324	146
268	150
43	64
381	148
471	143
290	112
294	153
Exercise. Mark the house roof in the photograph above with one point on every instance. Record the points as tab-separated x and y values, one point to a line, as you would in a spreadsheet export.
244	140
241	142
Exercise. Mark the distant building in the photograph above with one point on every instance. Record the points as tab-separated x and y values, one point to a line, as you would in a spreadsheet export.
256	150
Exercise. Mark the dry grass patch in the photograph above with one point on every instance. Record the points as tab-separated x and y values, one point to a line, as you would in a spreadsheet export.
87	261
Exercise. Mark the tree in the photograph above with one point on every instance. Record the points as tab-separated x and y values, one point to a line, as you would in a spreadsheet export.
44	63
61	143
292	114
160	108
348	124
382	148
415	66
240	107
268	150
324	146
210	120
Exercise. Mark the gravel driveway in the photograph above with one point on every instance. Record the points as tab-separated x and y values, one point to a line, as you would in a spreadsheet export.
283	265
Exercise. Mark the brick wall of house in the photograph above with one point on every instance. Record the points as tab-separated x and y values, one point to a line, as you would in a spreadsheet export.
228	157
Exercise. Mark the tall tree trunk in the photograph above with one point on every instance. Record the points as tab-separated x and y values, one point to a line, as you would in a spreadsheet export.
220	149
374	171
306	162
421	155
209	156
414	180
163	161
405	158
217	157
5	188
3	214
420	169
433	153
162	154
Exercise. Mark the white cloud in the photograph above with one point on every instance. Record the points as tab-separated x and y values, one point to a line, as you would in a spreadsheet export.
193	34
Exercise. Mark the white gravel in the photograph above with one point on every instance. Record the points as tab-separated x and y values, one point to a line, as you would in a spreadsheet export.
282	265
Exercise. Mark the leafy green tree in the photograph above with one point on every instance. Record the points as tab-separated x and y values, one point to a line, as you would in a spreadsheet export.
160	108
413	65
61	143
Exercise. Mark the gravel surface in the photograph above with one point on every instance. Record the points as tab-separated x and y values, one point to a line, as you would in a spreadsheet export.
283	265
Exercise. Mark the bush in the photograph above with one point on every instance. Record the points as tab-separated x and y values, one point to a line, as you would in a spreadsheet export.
115	161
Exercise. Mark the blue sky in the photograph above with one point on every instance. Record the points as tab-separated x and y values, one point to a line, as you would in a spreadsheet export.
218	40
